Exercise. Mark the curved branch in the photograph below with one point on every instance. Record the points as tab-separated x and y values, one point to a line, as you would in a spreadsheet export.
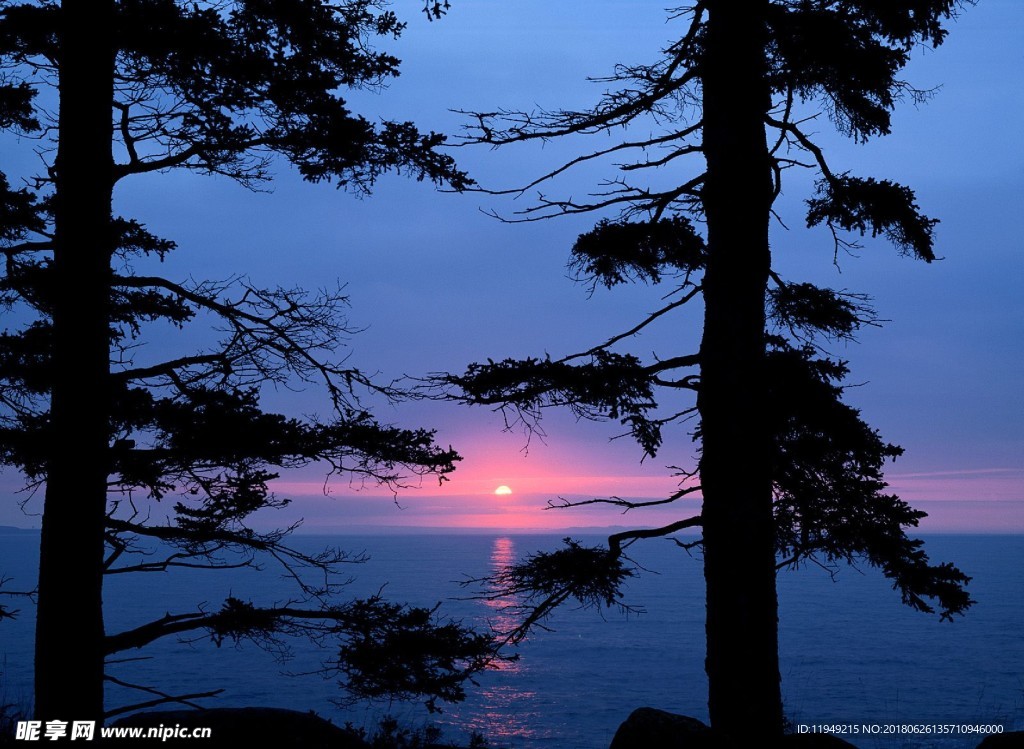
627	504
615	541
287	328
641	144
164	369
162	697
640	326
807	144
525	126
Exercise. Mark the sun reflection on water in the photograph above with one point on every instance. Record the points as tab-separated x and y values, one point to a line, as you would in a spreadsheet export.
503	710
502	614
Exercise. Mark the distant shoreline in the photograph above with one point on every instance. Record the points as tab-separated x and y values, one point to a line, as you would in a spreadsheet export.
410	530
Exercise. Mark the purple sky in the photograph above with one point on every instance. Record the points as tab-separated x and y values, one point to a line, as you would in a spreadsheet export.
437	284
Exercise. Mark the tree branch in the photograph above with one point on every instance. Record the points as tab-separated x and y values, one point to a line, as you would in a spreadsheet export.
163	698
640	326
615	540
627	504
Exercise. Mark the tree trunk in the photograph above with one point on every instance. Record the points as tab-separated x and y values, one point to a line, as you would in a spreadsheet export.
69	628
735	466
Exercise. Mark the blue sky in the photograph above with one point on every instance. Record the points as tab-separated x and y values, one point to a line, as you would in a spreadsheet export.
437	284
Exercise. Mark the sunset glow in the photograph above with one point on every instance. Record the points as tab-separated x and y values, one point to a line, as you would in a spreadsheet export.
502	490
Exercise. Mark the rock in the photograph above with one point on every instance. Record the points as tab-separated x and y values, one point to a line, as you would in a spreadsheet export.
814	741
1008	740
647	728
245	726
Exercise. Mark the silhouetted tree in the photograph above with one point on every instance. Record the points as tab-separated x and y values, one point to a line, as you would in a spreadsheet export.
5	612
787	471
221	88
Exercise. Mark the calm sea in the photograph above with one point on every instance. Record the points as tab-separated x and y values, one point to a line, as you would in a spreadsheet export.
851	653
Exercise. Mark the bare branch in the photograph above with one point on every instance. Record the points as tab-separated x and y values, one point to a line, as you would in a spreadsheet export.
638	327
164	369
807	144
615	541
22	247
280	322
626	504
526	126
163	698
628	145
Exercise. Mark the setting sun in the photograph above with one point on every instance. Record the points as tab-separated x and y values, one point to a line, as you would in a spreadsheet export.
502	490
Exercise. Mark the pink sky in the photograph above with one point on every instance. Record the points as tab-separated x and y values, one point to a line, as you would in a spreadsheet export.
988	500
967	501
577	461
944	376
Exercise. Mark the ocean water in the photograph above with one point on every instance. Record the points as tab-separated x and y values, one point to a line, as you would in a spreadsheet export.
851	653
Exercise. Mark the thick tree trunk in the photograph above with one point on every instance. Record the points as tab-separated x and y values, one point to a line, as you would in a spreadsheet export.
69	629
739	559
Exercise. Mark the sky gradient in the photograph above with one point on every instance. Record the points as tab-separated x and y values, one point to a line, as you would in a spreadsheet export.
435	283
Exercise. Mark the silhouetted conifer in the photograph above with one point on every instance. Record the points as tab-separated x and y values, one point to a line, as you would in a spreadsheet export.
788	472
107	90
